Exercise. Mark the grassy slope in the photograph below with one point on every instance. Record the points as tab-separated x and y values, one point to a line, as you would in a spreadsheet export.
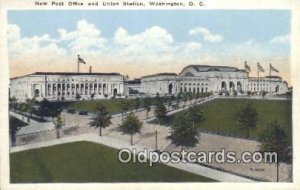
221	115
112	105
90	105
88	162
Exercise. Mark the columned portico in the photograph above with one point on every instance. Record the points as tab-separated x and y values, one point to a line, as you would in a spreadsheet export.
65	86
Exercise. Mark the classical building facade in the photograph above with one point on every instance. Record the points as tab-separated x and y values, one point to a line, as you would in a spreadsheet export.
215	79
193	78
66	85
271	84
162	83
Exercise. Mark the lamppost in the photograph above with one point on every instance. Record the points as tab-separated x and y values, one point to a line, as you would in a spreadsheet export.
156	147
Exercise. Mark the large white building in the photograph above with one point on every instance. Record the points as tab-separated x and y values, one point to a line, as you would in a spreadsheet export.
215	79
66	85
193	78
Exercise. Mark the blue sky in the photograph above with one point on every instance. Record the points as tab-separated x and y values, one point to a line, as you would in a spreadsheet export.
156	40
235	25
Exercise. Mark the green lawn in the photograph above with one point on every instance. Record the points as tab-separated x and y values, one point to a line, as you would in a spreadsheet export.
88	162
112	105
221	115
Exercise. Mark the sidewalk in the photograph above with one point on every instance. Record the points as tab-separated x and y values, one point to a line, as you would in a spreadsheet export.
32	127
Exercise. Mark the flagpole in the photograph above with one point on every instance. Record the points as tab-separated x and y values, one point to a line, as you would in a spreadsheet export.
78	64
258	77
270	78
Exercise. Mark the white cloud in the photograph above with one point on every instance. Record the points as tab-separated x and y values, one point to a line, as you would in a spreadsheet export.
284	39
205	34
32	47
191	48
85	38
154	40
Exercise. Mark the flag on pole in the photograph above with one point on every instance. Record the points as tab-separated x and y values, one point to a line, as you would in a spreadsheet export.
273	69
247	67
80	60
260	68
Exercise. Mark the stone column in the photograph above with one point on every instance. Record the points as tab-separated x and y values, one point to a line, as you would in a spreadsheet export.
56	87
96	88
51	90
108	89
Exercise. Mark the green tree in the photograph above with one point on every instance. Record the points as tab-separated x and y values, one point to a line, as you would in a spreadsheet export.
177	102
179	96
54	109
102	119
274	139
172	98
184	98
47	108
202	96
92	96
137	103
247	119
78	97
263	94
198	95
130	126
124	106
13	102
147	106
43	108
160	112
158	99
169	103
195	115
234	93
182	133
190	97
23	107
30	106
14	126
58	122
249	93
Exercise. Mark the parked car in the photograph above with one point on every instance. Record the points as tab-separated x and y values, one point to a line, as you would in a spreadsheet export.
83	113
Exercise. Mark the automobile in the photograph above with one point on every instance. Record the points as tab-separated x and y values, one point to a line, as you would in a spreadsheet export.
71	110
83	113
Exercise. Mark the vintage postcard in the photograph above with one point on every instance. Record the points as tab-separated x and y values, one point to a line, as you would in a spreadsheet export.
114	94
